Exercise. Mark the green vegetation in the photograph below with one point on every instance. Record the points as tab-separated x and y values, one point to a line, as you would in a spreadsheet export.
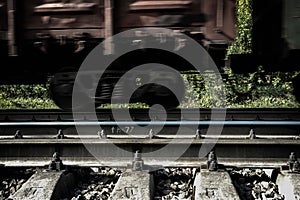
25	97
243	41
253	90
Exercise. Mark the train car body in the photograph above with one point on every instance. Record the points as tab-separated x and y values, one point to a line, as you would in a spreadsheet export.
41	37
3	28
291	32
45	36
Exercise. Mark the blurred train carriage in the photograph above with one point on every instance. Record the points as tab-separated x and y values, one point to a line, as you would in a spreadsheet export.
40	38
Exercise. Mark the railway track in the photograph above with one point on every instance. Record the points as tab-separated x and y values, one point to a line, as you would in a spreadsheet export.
244	141
142	115
249	137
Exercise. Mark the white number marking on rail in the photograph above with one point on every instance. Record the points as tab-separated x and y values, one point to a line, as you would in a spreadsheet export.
128	129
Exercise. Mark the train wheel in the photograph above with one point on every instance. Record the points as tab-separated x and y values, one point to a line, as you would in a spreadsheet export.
163	95
62	99
61	90
168	102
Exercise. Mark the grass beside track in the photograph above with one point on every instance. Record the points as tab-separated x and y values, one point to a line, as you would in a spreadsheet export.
253	90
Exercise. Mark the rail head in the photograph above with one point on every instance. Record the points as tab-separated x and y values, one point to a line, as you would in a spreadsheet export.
153	123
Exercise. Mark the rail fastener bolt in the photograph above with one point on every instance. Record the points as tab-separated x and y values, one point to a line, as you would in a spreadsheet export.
102	134
292	160
60	134
56	163
18	134
296	167
251	134
198	134
137	163
212	163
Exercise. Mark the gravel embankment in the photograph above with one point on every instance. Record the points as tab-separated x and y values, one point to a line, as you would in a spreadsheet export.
174	183
12	180
96	185
255	184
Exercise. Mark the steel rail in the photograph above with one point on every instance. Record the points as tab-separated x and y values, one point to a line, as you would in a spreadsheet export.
153	123
274	134
157	136
142	114
246	152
